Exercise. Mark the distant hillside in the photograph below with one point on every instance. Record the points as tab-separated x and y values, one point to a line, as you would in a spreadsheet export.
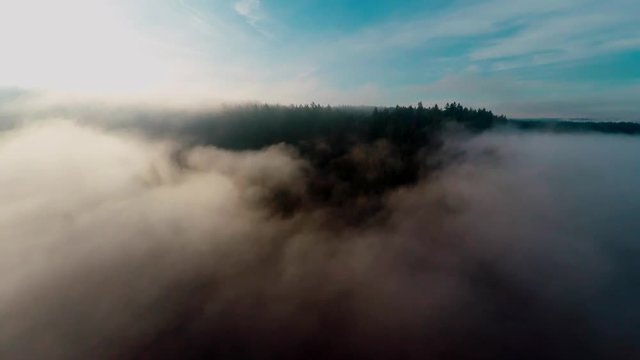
576	126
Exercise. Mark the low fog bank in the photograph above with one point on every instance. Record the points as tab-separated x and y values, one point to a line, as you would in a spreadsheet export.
114	245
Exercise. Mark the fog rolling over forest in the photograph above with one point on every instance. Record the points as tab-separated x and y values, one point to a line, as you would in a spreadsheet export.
270	232
319	180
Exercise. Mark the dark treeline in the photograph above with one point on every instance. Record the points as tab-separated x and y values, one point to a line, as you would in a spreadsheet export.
576	126
356	154
257	126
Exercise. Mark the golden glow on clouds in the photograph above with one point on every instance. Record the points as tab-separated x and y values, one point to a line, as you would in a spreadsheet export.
79	46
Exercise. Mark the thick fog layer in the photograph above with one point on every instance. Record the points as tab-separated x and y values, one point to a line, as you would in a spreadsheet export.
116	246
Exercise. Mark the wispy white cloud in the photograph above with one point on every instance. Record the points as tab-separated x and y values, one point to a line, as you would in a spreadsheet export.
479	19
196	15
547	31
565	36
251	11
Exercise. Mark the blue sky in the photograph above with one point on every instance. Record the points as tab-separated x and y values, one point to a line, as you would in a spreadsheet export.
547	58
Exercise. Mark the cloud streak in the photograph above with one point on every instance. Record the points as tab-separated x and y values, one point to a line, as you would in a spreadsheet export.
251	11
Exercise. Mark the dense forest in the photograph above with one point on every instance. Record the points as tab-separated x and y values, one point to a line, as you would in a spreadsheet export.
356	154
256	126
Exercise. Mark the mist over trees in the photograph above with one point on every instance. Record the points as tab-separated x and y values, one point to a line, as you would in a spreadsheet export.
288	232
355	153
256	126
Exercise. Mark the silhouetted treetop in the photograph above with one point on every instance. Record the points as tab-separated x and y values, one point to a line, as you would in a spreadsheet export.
354	153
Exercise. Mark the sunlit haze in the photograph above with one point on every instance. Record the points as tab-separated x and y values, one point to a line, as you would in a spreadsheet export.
319	179
574	58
